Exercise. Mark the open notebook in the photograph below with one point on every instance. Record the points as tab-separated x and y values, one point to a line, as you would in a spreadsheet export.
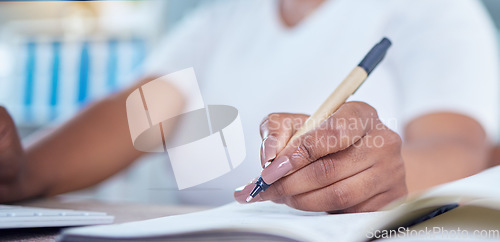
273	222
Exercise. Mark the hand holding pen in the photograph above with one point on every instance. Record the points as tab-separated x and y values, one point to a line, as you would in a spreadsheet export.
341	159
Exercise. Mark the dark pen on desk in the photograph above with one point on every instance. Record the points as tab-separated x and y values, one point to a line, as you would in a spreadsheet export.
338	97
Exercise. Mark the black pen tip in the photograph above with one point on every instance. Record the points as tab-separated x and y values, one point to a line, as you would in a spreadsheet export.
260	186
256	190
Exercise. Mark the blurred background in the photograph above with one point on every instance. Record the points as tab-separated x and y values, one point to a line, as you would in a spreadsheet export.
57	56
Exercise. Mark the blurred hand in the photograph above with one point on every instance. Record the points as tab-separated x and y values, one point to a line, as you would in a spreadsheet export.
350	163
12	160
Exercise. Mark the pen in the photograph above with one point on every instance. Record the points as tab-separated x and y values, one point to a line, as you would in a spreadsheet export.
338	97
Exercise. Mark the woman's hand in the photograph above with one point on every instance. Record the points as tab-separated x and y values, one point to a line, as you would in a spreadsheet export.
350	163
12	160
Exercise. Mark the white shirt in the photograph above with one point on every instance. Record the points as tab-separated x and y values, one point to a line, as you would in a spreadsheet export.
443	58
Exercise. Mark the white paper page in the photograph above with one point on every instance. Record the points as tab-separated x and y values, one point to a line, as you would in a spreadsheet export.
264	217
482	185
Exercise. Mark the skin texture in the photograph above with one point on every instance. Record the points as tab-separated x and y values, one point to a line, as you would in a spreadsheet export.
349	178
363	167
340	166
495	156
59	162
441	142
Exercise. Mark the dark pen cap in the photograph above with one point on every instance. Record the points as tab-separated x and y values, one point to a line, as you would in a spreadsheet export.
375	55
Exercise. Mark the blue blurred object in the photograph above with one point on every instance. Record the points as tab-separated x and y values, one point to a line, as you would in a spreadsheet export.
83	73
30	73
58	77
112	64
56	49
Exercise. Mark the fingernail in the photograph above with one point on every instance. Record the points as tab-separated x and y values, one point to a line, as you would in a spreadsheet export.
278	168
241	194
239	189
268	150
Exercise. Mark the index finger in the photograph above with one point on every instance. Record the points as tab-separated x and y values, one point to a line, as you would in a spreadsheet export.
346	126
276	130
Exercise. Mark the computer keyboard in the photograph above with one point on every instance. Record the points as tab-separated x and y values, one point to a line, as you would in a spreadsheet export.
12	217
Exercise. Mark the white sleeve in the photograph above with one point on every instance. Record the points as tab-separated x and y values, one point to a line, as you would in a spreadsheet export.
445	59
188	44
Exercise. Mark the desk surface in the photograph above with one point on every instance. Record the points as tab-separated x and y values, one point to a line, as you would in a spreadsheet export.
123	212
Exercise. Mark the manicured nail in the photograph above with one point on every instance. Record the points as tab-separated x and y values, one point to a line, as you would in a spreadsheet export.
239	189
278	168
268	150
241	193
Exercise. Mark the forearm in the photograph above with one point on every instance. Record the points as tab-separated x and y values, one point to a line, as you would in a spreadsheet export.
443	147
495	156
430	165
86	150
89	148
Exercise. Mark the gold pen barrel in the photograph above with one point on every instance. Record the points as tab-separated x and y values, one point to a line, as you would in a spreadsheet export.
338	97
